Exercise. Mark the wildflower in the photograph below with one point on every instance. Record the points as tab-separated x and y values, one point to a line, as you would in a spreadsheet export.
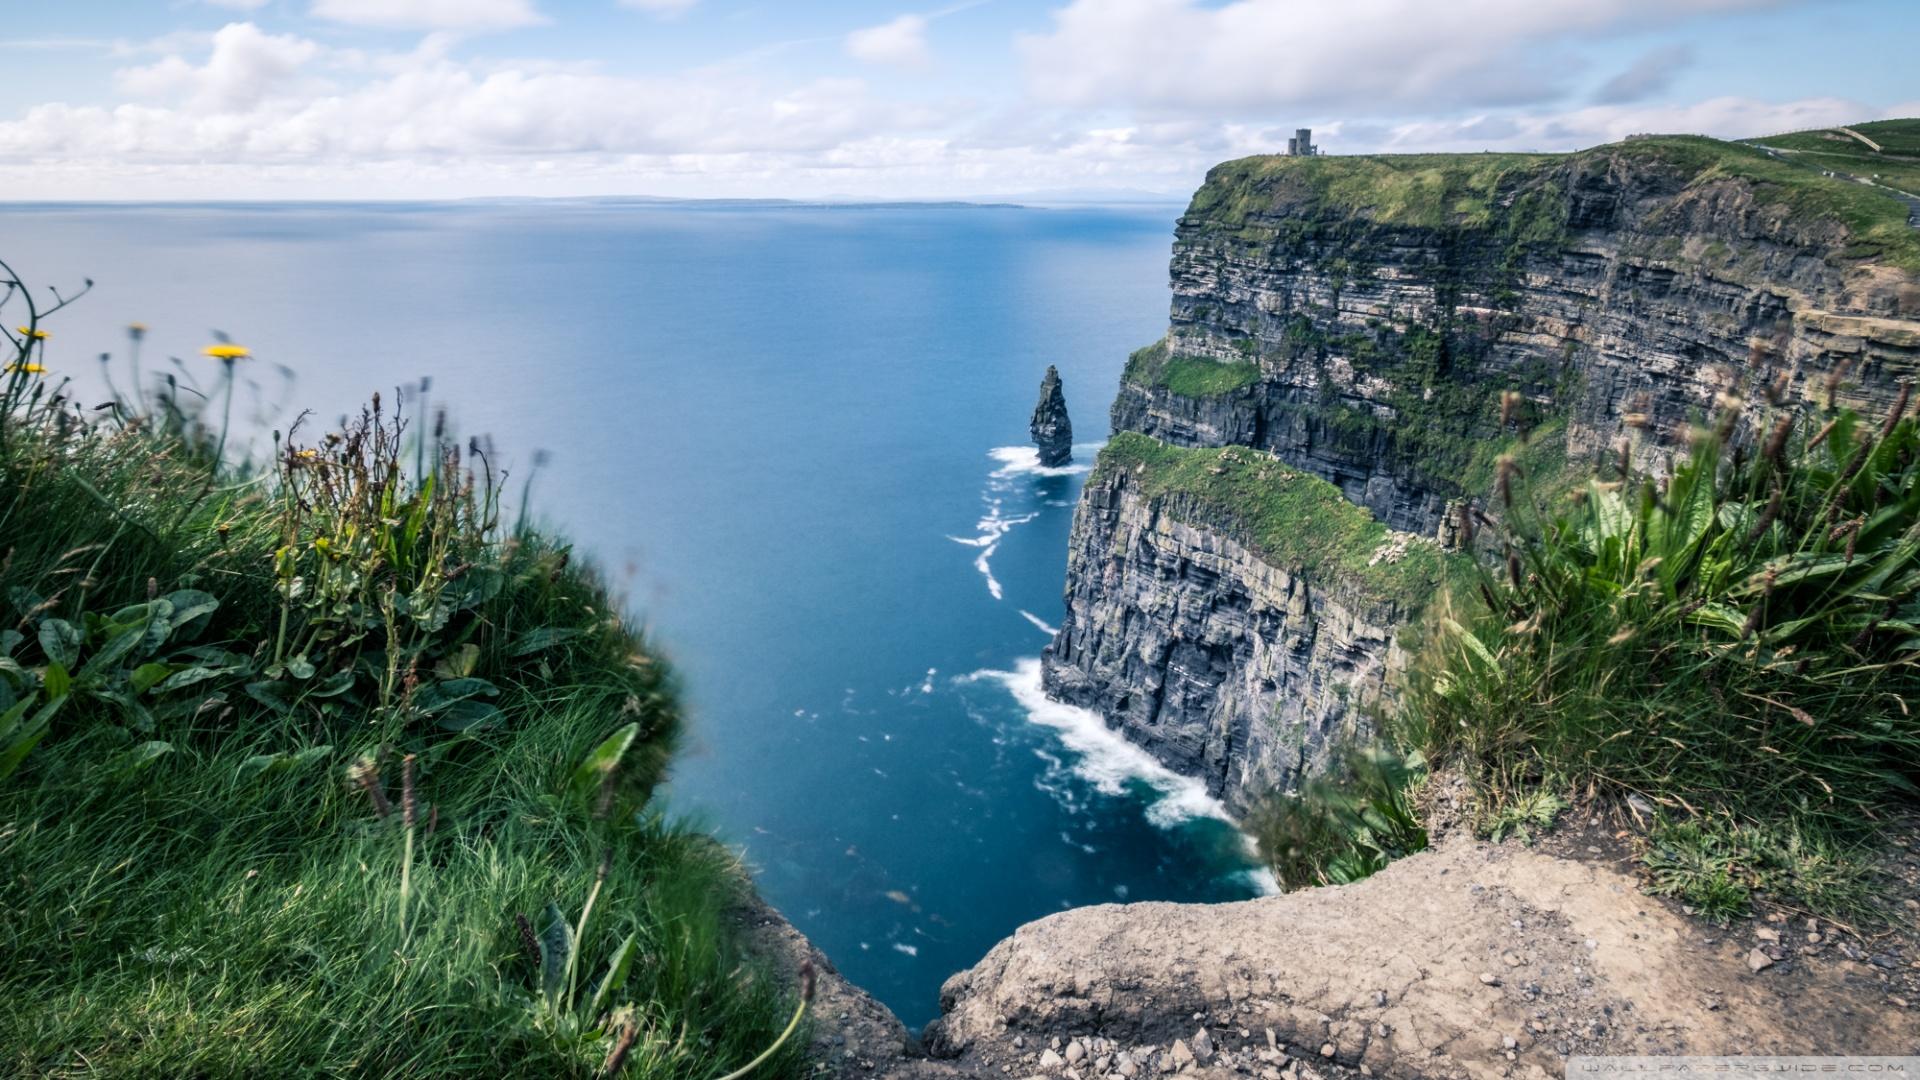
366	773
227	351
30	369
30	332
136	331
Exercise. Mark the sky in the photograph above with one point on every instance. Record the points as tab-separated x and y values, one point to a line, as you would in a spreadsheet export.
379	99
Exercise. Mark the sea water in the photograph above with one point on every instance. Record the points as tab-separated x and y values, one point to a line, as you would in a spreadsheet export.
796	437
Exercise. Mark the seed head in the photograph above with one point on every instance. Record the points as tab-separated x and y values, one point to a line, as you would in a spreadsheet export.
409	806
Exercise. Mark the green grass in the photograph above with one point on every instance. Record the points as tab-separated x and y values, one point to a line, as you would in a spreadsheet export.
1192	376
1188	376
1875	221
1736	646
287	752
1517	200
1896	164
1422	190
1287	517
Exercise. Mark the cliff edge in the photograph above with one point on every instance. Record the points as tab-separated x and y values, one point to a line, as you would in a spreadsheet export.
1353	344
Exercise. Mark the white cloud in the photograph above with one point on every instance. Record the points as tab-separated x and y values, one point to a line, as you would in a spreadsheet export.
246	64
1374	54
901	42
265	99
664	8
1725	117
431	14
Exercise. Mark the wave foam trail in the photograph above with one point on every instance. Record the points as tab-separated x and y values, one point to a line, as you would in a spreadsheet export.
1025	461
1106	759
991	528
1039	623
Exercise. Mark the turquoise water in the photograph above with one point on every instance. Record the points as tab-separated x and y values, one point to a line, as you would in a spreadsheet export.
797	436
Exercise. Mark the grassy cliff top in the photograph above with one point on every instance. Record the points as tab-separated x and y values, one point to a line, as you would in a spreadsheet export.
1288	517
1520	193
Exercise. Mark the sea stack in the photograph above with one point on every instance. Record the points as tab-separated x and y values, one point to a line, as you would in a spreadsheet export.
1052	431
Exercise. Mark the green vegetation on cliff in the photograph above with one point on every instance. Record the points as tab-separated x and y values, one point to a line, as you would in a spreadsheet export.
1893	160
315	767
1520	200
1730	651
1736	646
1189	376
1289	518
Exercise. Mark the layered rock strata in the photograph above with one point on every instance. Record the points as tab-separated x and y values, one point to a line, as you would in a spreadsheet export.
1052	430
1361	319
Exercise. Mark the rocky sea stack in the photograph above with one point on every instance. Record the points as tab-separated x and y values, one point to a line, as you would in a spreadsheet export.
1052	431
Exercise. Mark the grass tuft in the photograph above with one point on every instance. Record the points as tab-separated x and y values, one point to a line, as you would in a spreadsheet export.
293	754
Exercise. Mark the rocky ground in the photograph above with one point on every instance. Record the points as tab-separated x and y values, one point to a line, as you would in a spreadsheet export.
1472	959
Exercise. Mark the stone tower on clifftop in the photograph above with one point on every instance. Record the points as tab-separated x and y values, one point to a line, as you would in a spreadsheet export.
1052	431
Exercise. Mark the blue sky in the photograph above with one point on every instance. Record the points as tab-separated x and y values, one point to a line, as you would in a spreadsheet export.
882	98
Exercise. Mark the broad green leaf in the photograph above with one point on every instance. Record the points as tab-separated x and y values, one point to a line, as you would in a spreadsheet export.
188	676
311	754
467	715
335	684
436	697
192	610
20	739
601	763
140	757
459	663
60	640
546	637
56	681
147	676
271	694
116	647
556	947
618	967
25	601
10	640
477	586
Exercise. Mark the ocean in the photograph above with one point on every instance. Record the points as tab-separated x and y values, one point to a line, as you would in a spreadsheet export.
795	436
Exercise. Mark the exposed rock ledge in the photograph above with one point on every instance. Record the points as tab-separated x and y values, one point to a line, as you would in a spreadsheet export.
1469	960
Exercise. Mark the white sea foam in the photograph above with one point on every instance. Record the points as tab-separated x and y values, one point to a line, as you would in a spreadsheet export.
1015	461
1039	623
1263	881
1025	461
990	529
910	950
1105	758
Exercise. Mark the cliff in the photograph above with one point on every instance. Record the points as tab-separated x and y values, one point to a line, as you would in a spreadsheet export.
1051	429
1353	324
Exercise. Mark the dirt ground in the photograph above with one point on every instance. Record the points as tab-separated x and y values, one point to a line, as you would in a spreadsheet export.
1471	959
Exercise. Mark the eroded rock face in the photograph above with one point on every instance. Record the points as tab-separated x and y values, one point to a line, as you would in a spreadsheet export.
1471	959
1231	669
1619	295
1052	431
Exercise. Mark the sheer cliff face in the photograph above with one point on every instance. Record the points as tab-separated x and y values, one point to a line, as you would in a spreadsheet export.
1358	320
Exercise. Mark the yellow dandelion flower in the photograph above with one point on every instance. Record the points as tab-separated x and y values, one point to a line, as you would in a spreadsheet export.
227	351
137	330
27	331
31	369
